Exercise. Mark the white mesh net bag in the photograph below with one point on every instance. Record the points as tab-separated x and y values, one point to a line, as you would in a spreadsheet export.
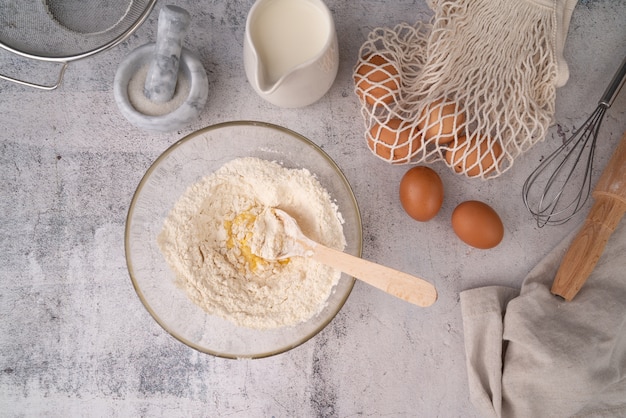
474	87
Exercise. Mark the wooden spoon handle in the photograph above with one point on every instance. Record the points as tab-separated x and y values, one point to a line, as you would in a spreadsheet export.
404	286
587	247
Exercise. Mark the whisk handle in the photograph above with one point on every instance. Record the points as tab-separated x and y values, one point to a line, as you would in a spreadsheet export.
614	86
587	247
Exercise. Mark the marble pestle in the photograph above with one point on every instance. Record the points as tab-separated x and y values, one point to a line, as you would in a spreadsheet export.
162	86
163	72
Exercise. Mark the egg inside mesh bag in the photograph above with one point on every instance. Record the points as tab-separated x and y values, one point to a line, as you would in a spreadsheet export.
478	82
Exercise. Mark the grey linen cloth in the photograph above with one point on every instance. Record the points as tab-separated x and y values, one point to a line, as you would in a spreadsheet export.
532	354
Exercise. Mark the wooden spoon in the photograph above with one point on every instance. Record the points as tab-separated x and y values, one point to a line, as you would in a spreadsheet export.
291	242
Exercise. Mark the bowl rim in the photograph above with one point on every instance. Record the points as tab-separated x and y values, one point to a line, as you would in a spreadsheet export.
152	168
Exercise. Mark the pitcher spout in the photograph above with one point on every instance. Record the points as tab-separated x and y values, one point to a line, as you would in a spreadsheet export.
264	67
265	83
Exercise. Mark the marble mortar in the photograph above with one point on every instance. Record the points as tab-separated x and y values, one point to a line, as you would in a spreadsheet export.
190	67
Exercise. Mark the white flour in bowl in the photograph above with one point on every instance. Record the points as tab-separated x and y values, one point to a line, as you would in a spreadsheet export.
206	242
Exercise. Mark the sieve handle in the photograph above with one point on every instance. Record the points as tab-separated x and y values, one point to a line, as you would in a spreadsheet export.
38	86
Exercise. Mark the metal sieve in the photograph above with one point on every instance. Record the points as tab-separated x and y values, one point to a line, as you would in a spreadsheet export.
62	31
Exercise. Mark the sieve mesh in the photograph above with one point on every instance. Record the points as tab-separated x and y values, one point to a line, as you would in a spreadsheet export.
64	30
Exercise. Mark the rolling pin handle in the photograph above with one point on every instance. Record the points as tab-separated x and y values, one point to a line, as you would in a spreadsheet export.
588	245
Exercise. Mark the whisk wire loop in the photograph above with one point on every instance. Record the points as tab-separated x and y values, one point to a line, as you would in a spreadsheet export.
551	183
562	184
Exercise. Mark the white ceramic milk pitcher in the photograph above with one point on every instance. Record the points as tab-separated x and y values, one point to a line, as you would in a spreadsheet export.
291	55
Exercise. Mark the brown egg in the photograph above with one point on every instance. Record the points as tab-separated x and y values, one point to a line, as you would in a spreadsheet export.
421	193
378	81
483	155
477	224
395	141
440	121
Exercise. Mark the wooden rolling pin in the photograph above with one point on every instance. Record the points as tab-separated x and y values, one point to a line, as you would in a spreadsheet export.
607	211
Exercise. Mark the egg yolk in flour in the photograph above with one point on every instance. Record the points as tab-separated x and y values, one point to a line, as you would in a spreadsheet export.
239	232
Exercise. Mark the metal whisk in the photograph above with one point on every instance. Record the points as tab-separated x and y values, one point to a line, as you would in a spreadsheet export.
553	193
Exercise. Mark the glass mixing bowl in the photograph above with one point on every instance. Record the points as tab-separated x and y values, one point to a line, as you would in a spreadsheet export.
183	164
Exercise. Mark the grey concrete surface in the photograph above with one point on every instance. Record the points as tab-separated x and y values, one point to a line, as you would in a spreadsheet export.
75	339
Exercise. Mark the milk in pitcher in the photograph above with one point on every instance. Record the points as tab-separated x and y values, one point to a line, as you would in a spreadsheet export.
288	33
